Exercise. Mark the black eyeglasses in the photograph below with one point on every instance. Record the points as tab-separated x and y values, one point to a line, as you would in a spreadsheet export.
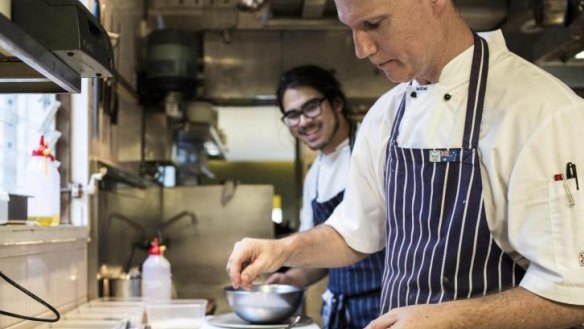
311	109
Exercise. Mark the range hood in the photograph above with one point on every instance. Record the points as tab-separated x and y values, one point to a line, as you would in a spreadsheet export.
49	45
33	68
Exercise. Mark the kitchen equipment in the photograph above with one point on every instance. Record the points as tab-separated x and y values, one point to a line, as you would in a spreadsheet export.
156	275
231	320
131	309
122	285
131	313
42	183
265	304
170	72
294	322
70	31
176	314
85	324
17	209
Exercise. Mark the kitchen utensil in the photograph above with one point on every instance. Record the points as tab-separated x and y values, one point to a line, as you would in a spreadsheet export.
119	284
265	304
176	314
294	322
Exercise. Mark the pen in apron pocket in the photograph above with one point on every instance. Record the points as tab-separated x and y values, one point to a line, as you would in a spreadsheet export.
571	173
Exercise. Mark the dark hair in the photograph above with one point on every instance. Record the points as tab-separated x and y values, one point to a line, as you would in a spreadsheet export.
315	77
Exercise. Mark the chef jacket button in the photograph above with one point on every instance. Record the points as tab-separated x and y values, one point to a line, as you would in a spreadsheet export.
447	97
413	94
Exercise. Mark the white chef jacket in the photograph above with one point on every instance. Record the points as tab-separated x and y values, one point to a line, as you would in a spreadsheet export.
532	126
331	173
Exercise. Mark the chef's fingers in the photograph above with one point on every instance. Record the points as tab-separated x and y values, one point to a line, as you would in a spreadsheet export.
250	258
252	270
247	261
235	264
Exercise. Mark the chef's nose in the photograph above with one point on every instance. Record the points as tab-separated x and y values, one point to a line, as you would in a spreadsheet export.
303	120
364	46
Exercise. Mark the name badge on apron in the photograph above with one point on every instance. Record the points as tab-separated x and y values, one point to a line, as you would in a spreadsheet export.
443	155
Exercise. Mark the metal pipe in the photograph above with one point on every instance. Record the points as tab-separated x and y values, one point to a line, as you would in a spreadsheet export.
175	218
129	221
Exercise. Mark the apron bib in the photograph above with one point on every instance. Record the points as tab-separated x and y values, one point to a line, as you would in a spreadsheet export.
439	246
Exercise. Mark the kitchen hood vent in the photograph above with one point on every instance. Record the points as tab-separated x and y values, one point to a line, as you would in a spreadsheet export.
70	31
32	68
169	85
171	70
50	45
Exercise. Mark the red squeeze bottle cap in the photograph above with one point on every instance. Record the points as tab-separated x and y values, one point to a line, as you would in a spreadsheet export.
155	249
43	150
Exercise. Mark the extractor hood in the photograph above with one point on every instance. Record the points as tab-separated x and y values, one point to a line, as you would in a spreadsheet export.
32	68
49	45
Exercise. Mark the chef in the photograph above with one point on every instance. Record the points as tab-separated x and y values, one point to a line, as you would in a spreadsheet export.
464	173
315	109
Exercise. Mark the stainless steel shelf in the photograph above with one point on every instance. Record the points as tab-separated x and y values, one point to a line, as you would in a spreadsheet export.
13	235
33	69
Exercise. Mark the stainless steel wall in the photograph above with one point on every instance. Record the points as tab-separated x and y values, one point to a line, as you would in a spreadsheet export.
198	252
196	248
247	66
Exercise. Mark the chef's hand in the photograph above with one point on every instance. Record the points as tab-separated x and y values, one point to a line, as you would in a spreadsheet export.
434	316
251	257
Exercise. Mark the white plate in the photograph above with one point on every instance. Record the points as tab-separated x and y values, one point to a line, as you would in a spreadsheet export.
231	320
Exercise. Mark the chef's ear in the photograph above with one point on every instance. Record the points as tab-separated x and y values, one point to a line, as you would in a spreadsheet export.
338	105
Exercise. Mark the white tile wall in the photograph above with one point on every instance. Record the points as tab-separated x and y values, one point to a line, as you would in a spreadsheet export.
56	272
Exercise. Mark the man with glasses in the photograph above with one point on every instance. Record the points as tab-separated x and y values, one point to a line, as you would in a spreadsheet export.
315	110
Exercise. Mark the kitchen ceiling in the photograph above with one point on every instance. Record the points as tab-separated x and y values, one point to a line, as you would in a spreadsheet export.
552	46
514	17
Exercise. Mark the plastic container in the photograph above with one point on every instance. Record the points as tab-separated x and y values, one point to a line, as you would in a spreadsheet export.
43	187
156	275
131	314
176	314
85	324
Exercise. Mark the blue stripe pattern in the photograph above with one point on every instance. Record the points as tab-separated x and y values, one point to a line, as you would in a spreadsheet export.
438	241
356	287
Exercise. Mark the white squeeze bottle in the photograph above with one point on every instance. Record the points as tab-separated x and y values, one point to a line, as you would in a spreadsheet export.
156	275
42	184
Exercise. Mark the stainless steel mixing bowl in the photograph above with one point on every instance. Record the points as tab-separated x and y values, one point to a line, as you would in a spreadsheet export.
265	304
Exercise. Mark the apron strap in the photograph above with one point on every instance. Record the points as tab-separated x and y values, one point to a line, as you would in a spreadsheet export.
476	95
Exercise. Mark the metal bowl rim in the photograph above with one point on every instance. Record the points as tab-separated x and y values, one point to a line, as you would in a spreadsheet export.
278	289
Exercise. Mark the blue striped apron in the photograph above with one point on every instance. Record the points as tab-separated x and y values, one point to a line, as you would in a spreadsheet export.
356	288
438	241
